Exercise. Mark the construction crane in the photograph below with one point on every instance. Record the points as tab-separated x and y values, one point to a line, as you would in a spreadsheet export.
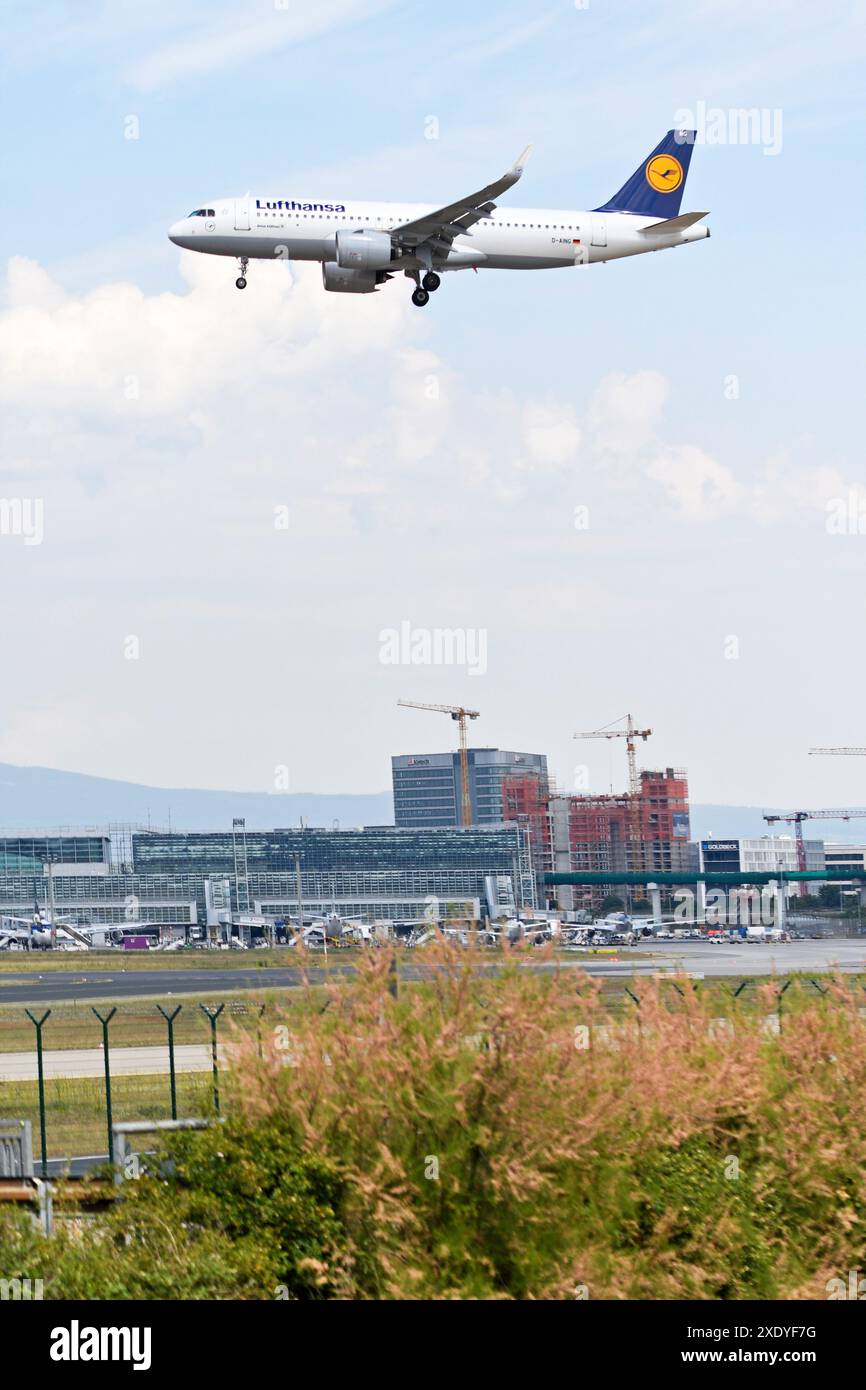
630	733
839	752
460	715
796	819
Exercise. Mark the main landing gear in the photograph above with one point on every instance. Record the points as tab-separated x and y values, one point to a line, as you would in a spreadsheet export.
241	281
426	287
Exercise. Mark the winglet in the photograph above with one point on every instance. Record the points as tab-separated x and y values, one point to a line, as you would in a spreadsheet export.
518	168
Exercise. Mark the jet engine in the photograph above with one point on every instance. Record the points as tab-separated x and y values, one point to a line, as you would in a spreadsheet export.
364	250
341	281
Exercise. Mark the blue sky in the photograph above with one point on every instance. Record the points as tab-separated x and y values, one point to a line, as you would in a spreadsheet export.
604	388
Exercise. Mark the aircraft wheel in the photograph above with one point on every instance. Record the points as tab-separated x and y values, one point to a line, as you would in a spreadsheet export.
241	282
420	298
431	281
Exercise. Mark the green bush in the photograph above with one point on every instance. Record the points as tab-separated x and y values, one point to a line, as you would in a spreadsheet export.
504	1136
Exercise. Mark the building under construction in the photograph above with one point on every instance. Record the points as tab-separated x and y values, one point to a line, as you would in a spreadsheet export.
645	832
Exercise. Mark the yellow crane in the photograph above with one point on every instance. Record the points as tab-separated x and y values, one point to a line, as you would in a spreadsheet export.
630	733
460	715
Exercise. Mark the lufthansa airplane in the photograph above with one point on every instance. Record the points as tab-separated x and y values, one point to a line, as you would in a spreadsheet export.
361	245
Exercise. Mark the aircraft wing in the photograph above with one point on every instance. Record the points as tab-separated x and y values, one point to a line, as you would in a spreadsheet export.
446	223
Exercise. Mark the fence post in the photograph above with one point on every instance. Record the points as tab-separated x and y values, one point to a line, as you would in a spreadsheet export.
105	1022
785	986
213	1015
169	1018
393	979
37	1024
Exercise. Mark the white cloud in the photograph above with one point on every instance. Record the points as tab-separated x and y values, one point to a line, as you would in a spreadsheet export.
165	431
698	486
552	434
626	410
234	38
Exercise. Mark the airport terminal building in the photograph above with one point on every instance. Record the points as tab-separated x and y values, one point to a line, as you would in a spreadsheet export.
188	878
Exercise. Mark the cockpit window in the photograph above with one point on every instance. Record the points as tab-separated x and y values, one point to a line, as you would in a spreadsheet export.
203	212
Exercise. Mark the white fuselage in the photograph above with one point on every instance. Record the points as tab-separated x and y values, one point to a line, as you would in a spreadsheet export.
508	239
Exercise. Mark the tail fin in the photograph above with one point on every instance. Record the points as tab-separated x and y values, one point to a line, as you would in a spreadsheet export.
656	188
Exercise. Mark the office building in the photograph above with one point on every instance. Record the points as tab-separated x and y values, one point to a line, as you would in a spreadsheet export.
427	786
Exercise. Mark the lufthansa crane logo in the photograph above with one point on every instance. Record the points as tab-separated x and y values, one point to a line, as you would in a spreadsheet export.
664	173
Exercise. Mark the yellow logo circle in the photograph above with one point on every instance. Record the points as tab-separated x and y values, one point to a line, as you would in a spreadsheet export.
664	173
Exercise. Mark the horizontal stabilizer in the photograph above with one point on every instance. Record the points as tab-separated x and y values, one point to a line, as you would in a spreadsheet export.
674	224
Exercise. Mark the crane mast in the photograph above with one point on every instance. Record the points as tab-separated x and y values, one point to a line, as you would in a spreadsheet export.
631	734
460	715
796	819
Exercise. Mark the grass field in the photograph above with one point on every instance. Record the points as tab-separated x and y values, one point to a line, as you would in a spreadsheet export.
89	962
75	1108
137	1023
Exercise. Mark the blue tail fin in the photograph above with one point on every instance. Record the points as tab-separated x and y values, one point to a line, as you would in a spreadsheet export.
656	188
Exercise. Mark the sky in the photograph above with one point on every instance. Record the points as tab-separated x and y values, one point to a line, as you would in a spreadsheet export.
637	487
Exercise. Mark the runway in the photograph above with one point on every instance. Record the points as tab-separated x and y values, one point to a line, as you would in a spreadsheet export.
89	1062
77	986
694	957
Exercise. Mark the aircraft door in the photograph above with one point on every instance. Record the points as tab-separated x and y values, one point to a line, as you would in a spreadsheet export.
242	214
599	231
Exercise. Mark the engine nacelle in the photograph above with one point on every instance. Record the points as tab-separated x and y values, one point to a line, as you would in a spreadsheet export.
341	281
364	250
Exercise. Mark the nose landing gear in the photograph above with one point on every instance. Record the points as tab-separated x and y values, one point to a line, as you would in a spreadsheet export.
241	282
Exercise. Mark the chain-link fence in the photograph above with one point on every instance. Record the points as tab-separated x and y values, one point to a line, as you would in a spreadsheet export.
76	1070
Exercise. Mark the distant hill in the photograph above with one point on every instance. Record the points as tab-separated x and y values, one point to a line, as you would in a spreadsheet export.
42	797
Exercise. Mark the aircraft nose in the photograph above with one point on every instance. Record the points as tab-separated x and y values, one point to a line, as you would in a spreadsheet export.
176	232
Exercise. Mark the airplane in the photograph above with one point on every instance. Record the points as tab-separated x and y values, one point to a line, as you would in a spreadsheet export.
39	931
361	245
